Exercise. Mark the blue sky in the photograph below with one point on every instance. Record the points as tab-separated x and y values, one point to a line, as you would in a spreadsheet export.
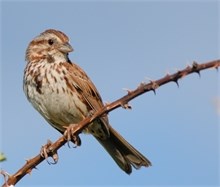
119	44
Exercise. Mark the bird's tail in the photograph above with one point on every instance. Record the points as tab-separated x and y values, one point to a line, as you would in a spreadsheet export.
123	153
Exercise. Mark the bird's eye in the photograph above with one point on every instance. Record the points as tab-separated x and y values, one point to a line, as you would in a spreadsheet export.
50	41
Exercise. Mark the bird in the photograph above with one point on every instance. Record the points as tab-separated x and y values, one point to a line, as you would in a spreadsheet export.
63	94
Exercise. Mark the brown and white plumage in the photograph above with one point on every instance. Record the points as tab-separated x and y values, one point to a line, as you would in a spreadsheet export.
62	92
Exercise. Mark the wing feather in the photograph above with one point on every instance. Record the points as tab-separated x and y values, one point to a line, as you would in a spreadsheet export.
87	90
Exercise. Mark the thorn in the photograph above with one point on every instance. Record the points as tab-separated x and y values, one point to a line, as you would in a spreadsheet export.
148	79
154	86
106	103
195	68
127	90
180	74
142	85
195	64
198	72
177	83
29	171
175	79
5	175
188	67
167	72
28	161
126	106
175	69
188	63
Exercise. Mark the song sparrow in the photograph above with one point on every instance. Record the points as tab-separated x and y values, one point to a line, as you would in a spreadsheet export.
63	94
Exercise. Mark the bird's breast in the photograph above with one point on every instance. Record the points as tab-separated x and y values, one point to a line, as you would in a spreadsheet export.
49	94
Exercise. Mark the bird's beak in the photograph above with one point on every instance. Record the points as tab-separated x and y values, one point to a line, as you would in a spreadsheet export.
66	48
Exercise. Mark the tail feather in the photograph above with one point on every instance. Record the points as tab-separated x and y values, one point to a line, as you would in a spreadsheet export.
123	153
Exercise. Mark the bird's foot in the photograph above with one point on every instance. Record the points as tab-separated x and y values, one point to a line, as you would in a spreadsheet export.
70	135
46	152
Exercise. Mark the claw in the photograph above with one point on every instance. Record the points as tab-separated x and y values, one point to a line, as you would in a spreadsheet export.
71	136
76	140
47	152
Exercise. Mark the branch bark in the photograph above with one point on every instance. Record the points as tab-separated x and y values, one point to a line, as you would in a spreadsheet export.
122	102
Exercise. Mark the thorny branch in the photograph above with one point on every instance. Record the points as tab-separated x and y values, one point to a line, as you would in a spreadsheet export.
11	180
